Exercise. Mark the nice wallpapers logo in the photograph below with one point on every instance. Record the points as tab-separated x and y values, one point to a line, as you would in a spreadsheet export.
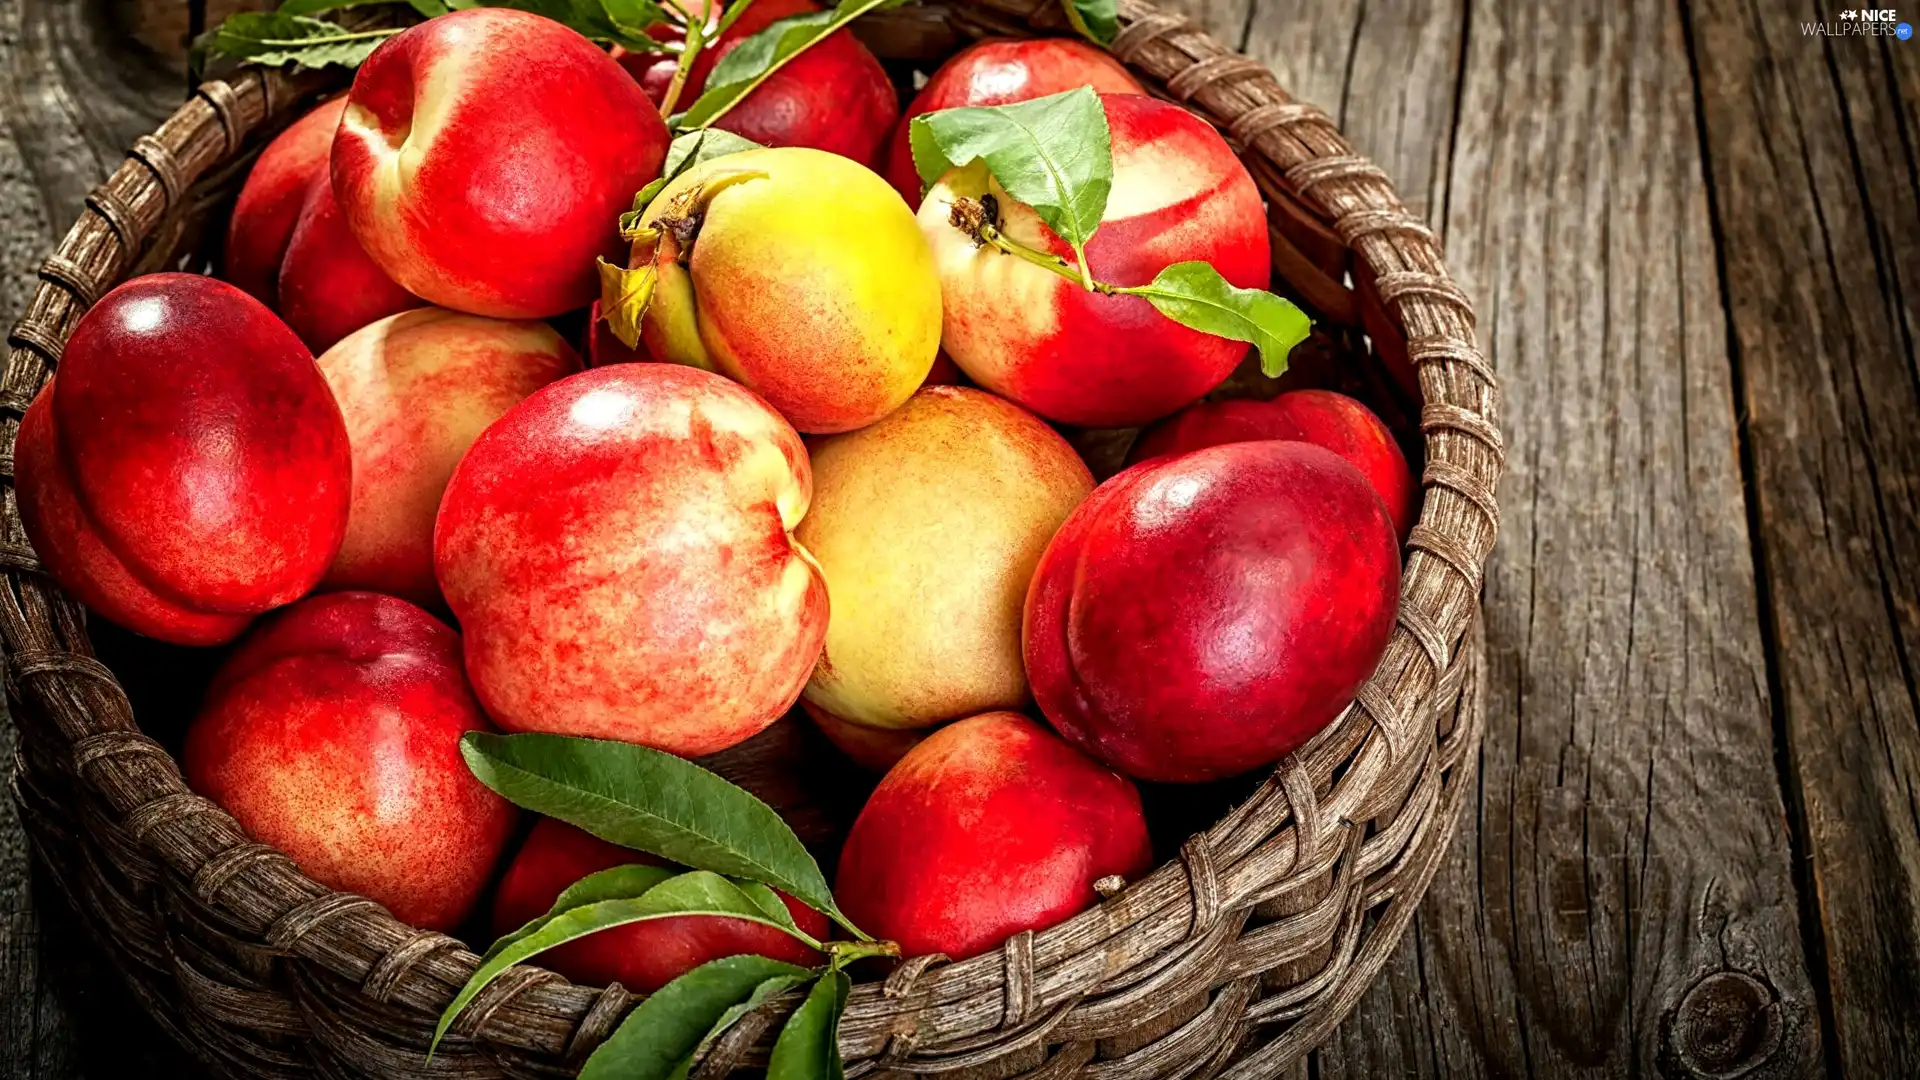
1861	22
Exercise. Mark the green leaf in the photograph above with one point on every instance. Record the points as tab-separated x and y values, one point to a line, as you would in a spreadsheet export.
427	8
622	22
1096	20
273	38
1194	294
693	148
769	902
762	994
650	801
660	1037
809	1043
749	63
634	17
1054	154
618	883
698	893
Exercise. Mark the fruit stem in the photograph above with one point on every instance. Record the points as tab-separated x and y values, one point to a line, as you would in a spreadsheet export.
696	40
733	15
842	953
978	218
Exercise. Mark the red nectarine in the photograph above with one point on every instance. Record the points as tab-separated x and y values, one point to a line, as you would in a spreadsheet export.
1001	71
643	956
485	158
1261	578
270	201
1321	417
989	827
333	733
188	469
835	96
329	287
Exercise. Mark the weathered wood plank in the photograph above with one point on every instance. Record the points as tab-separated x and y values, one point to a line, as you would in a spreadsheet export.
1385	70
1629	837
1813	149
74	91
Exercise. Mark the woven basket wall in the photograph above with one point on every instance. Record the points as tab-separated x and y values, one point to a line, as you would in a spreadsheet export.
1233	960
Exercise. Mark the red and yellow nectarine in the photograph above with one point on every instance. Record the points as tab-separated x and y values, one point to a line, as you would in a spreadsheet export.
1085	358
808	282
416	390
333	733
619	551
927	526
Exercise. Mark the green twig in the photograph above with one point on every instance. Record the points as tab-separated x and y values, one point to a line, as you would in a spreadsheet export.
696	41
842	953
733	15
978	219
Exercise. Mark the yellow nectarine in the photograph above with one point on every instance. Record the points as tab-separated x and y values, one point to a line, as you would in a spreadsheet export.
803	276
927	527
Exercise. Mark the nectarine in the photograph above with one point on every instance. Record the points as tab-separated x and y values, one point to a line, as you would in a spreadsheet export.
1261	578
927	526
1321	417
188	469
618	549
485	157
808	282
991	826
874	749
416	390
270	201
643	956
835	96
333	733
1086	358
328	285
1001	71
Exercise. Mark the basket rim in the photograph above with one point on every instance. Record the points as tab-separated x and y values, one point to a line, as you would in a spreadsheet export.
1373	759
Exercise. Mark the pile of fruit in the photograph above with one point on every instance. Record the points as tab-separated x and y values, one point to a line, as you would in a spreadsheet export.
814	455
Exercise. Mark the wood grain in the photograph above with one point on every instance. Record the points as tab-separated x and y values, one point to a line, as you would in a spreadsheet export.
73	93
1630	840
1813	149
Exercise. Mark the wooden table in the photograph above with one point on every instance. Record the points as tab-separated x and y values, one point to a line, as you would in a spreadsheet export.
1693	235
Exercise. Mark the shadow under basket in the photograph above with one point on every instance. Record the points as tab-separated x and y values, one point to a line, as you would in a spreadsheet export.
1233	959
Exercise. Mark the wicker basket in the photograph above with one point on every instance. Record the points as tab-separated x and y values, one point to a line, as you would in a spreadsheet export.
1233	960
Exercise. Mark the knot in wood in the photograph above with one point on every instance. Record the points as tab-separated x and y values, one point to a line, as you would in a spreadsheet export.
1727	1025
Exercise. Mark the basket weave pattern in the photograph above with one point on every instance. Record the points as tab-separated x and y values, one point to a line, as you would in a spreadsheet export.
1234	960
